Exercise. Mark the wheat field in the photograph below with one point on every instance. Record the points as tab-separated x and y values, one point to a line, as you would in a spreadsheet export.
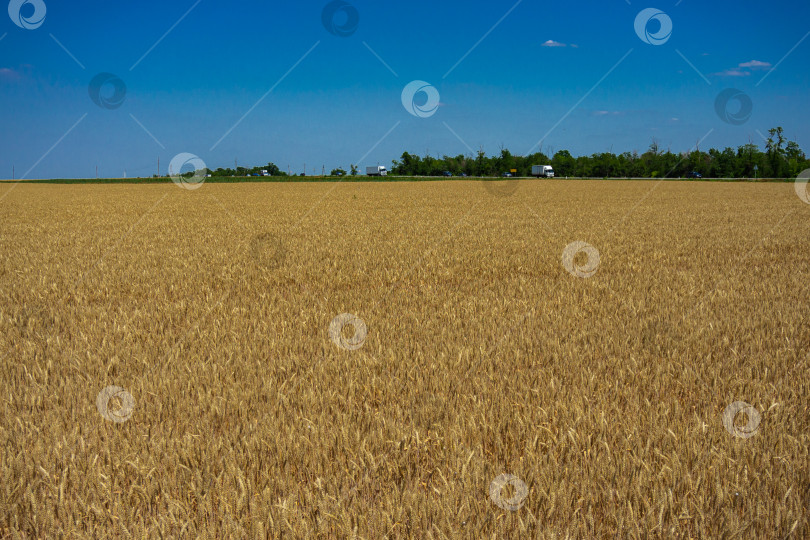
537	359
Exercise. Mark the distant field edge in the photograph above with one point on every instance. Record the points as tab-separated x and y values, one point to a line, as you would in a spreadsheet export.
315	179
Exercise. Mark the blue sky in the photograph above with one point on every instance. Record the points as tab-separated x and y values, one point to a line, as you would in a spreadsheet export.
340	103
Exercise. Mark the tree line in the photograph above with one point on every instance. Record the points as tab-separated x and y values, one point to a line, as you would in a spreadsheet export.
779	158
271	169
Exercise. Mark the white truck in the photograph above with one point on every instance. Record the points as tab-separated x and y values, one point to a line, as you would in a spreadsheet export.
376	171
544	171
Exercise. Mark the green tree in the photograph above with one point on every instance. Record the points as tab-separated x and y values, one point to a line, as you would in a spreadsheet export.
481	163
747	158
506	162
776	152
795	158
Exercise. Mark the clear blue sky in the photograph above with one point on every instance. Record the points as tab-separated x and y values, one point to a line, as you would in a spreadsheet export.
341	100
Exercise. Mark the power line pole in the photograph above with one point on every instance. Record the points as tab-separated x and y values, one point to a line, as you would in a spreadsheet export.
158	171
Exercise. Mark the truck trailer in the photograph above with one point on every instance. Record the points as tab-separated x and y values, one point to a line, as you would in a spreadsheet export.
376	171
542	171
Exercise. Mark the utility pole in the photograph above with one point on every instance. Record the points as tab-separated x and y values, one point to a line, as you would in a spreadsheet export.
305	169
96	172
158	172
323	170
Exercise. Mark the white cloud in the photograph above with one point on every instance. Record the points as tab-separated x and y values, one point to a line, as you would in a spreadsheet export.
552	43
733	72
744	69
608	113
755	64
7	73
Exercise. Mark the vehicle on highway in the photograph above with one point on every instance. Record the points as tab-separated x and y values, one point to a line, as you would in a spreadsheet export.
542	171
377	171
